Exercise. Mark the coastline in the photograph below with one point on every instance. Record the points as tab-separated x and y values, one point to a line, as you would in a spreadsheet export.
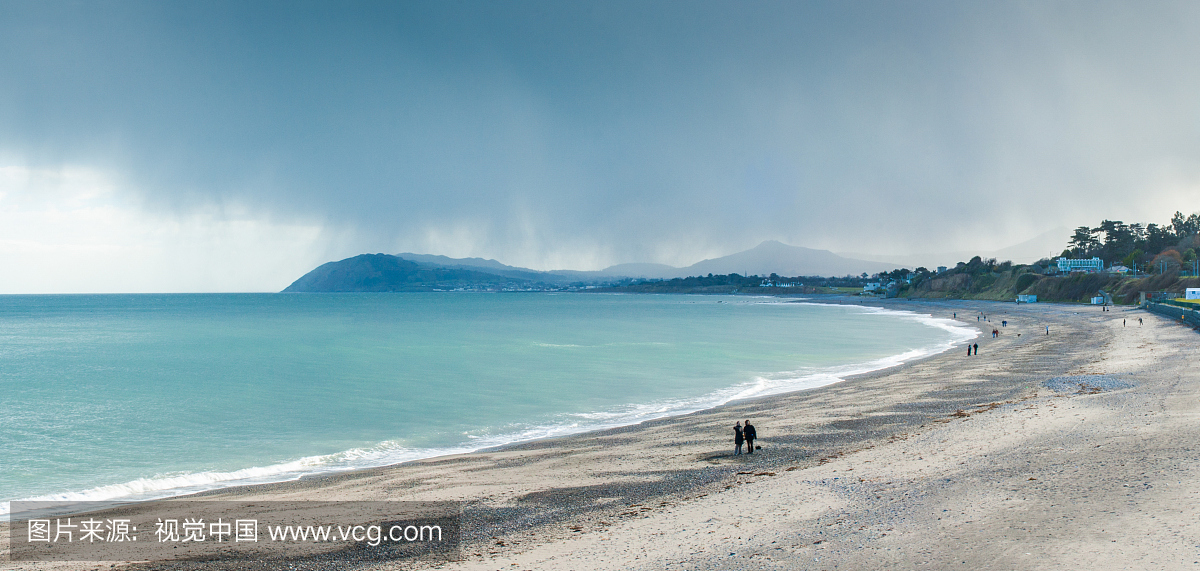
585	500
188	484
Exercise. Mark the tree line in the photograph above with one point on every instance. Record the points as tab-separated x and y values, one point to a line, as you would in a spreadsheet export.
1139	246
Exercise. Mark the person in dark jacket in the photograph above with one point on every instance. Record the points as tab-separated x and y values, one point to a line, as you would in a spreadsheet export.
737	439
750	435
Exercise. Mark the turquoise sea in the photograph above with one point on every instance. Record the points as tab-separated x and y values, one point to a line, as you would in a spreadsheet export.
138	396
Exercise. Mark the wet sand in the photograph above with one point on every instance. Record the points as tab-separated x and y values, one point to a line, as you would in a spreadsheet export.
951	461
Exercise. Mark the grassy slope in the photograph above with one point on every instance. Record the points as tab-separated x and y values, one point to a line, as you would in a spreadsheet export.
1003	286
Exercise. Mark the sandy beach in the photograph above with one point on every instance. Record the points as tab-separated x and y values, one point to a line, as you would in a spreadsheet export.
949	462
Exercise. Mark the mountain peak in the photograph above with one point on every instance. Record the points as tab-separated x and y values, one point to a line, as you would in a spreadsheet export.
777	245
775	257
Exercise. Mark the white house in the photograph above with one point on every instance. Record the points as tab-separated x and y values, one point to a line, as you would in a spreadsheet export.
1026	298
871	286
1191	293
1066	265
769	283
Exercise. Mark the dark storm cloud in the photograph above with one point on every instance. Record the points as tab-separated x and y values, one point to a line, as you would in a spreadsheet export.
622	131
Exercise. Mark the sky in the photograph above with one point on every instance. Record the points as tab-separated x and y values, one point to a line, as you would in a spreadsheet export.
169	146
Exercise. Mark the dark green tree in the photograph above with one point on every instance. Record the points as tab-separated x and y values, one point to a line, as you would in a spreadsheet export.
1185	226
1083	241
1118	240
1157	238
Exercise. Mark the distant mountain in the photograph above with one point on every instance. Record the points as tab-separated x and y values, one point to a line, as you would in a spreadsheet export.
1046	245
550	276
489	266
641	271
385	273
424	272
446	262
776	257
764	259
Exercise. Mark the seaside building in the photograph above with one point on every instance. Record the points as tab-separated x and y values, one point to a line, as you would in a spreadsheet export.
1026	298
1191	293
1066	265
769	283
941	269
872	286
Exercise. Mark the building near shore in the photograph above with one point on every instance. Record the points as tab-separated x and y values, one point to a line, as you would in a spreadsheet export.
769	283
1191	293
1026	298
1067	265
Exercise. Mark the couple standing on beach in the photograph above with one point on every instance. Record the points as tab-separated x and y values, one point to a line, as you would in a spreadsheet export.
748	434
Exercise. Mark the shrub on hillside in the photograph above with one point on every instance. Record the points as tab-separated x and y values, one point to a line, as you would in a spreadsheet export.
1024	281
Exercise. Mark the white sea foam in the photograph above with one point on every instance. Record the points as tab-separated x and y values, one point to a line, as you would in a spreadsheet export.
189	483
785	382
387	453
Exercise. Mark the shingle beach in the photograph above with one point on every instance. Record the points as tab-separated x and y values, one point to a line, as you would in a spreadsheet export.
1077	449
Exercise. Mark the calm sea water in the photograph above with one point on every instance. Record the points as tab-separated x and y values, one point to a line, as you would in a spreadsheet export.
125	396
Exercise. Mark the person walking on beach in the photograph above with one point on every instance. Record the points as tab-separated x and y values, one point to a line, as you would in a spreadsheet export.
976	349
968	349
750	435
1047	330
737	438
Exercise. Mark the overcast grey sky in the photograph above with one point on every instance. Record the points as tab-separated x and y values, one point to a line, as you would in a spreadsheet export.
206	146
